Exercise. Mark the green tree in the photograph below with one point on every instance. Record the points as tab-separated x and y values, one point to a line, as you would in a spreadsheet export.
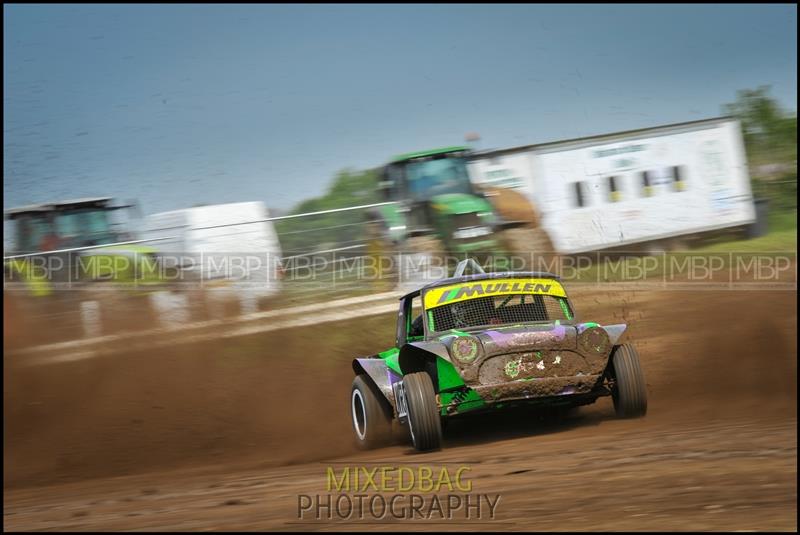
326	231
770	132
770	138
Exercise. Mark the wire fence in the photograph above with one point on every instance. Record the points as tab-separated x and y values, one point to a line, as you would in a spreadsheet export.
319	257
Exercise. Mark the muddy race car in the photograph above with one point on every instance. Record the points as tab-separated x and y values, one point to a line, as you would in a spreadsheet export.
488	341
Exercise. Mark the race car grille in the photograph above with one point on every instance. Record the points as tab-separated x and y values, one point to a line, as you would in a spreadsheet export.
500	310
535	365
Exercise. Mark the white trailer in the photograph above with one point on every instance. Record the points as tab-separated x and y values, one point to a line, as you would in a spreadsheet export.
617	190
229	246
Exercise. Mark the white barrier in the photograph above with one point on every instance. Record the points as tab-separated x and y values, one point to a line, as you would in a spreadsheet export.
172	308
90	319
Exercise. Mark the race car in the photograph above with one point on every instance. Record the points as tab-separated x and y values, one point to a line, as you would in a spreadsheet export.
488	341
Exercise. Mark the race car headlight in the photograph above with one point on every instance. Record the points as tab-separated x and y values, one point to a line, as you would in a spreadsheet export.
465	349
594	340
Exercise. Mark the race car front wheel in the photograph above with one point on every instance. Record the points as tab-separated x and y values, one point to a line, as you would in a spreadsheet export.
629	390
424	421
370	414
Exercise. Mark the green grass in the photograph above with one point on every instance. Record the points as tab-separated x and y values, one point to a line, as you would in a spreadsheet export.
722	252
774	241
781	236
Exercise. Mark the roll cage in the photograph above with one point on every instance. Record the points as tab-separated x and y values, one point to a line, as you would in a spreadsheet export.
405	321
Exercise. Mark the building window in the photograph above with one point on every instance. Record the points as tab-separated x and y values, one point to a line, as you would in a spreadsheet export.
614	193
679	178
647	184
580	195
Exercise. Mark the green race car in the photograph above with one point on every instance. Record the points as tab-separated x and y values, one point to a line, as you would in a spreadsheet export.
488	341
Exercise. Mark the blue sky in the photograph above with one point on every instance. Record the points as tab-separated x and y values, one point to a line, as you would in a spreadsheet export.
175	105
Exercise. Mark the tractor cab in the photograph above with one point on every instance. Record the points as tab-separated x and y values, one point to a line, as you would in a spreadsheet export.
82	241
65	224
420	176
435	197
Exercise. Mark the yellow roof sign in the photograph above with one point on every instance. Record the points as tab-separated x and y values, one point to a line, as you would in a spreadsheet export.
454	293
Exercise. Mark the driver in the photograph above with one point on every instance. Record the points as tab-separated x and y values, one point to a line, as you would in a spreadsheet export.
473	312
416	327
460	312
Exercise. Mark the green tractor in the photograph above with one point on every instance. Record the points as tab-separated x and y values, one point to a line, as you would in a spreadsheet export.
436	209
72	243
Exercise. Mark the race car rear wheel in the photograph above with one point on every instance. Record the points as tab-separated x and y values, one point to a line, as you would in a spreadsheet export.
424	421
371	415
629	390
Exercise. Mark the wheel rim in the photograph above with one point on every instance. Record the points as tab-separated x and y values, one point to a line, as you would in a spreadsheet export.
359	414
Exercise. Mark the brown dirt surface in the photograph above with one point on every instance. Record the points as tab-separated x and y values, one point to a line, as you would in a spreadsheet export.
225	435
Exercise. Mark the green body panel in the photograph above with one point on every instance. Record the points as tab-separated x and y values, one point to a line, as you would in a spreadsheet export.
469	400
451	385
448	375
459	203
447	207
565	308
452	389
390	357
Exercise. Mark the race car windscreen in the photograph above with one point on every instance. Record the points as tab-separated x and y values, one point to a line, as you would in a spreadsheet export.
498	310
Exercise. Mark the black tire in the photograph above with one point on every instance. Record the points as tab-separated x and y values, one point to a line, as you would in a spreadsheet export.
629	390
424	421
370	415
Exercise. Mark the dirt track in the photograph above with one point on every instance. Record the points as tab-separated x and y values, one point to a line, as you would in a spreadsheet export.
226	435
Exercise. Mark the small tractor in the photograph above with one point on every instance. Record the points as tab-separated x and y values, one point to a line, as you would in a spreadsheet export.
437	209
74	242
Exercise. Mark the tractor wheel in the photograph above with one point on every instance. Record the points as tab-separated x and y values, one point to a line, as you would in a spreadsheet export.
629	390
512	205
371	415
424	421
524	243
